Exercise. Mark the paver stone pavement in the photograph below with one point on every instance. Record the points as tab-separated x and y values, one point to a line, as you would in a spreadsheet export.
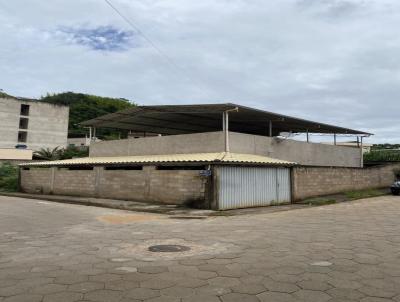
62	252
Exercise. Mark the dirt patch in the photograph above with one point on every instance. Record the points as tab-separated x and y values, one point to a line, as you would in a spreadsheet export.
125	219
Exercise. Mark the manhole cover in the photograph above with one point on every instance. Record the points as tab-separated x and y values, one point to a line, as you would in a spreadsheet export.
168	248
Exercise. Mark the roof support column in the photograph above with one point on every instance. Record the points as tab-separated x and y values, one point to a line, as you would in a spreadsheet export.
334	139
362	153
308	136
225	120
270	128
225	126
90	133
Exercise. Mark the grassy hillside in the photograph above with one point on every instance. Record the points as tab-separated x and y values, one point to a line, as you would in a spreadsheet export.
84	107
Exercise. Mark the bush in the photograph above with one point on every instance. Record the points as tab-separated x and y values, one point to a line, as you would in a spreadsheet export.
8	177
382	156
74	152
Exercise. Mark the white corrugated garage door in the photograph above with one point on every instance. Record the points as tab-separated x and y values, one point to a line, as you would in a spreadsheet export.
243	187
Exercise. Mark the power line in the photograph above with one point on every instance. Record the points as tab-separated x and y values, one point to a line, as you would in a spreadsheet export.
152	44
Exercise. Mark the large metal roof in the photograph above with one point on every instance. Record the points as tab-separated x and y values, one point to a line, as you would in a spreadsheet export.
183	119
204	158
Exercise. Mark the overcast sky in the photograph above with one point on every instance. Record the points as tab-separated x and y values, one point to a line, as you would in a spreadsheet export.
333	61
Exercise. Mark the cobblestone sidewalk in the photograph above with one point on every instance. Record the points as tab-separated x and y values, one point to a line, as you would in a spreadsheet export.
62	252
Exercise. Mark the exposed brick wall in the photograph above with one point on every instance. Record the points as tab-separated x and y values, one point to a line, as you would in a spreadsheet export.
36	180
171	187
74	182
186	186
149	184
120	184
318	181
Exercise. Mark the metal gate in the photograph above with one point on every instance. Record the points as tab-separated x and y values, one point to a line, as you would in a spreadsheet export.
244	187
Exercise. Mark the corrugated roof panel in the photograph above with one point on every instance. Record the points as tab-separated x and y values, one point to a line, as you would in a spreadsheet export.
181	119
220	157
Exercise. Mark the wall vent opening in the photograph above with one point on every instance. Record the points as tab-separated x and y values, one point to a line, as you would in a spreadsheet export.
111	168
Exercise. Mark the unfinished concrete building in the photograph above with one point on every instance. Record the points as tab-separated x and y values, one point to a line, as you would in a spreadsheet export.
218	156
27	125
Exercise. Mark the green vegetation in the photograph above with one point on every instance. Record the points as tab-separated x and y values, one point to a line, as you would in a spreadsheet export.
85	107
352	195
382	156
385	146
57	153
8	177
5	95
74	152
346	196
47	154
319	201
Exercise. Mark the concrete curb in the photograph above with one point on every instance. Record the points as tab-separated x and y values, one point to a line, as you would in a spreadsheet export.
109	203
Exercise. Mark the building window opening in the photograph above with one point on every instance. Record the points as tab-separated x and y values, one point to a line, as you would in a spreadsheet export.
25	109
22	136
80	168
23	123
124	168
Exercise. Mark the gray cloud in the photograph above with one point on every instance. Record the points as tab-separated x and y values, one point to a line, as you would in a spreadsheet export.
330	61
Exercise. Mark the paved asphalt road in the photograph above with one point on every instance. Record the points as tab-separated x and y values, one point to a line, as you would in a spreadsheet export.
62	252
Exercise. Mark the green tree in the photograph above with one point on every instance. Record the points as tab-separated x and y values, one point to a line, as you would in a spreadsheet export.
85	107
61	153
48	154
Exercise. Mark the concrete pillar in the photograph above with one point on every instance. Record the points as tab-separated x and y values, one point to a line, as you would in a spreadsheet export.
362	153
19	188
226	130
52	178
147	171
270	129
97	178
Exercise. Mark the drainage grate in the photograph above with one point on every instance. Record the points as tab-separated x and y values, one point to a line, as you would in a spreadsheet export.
168	248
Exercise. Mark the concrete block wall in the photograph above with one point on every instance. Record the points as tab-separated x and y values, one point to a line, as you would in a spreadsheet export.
303	153
120	184
74	182
147	185
36	180
172	144
171	187
317	181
